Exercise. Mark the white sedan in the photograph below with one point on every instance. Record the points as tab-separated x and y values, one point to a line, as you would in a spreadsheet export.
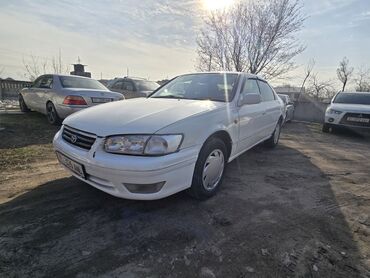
348	110
180	137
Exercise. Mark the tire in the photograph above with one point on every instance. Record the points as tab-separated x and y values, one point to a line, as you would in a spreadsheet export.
52	115
207	178
22	105
325	128
273	141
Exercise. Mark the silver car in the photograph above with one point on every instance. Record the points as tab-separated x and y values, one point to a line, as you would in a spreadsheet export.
289	107
58	96
133	87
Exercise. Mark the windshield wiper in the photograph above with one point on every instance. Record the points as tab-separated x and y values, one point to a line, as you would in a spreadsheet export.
169	96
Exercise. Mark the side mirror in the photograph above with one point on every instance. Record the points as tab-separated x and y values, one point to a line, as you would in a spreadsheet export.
250	99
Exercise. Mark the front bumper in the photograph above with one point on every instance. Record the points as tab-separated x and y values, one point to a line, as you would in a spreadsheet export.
110	172
337	120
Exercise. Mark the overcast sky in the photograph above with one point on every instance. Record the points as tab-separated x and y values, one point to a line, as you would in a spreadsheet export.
156	39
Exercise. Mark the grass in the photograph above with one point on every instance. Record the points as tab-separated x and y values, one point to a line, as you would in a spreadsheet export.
26	138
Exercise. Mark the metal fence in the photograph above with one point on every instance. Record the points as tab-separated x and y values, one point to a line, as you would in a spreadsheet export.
10	88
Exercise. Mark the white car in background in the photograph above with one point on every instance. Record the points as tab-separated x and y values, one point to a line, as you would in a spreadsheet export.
348	110
180	137
58	96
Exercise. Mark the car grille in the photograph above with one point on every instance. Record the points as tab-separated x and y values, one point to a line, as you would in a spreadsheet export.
78	138
354	123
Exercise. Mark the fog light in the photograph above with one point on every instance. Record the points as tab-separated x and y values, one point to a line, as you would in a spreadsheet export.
144	188
331	120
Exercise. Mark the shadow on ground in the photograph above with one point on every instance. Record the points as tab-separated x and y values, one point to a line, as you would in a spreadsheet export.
21	130
275	216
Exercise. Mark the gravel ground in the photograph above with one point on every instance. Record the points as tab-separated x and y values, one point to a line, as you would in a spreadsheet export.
300	210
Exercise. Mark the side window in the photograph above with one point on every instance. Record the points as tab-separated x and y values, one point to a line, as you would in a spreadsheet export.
250	87
36	83
128	86
118	85
266	92
46	82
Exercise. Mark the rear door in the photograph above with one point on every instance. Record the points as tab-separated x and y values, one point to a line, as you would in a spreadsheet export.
44	92
250	118
272	108
30	95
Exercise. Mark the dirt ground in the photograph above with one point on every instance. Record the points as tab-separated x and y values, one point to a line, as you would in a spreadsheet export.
300	210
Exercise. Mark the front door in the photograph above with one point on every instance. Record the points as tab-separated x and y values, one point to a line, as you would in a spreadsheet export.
250	118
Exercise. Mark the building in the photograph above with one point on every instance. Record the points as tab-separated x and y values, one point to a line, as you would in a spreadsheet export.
79	69
292	92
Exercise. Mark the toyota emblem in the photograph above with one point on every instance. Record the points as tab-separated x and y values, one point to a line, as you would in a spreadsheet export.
73	138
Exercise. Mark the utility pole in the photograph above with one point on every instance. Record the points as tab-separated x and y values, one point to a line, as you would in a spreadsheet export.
127	72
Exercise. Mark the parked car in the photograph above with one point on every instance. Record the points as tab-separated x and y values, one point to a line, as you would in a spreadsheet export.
58	96
180	137
133	87
348	110
288	107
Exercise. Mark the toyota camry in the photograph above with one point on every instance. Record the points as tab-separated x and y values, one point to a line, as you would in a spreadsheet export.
180	137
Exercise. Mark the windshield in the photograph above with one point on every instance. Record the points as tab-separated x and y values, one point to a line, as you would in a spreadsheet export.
79	82
144	85
353	98
205	86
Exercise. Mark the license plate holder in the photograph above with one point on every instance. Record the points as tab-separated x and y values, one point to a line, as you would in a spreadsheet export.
358	120
101	100
72	165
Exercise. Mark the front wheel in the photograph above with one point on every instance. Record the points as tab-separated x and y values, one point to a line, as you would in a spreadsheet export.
52	115
325	128
209	169
274	139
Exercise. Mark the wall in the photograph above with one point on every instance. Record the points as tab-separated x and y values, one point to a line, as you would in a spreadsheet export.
310	111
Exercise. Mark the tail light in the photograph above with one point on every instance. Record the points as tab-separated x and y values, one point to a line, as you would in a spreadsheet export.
74	100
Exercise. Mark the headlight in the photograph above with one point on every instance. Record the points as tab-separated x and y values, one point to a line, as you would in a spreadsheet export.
143	144
333	111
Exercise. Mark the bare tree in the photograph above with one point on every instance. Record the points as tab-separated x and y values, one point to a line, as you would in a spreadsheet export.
254	36
307	73
344	72
320	89
35	66
362	79
57	64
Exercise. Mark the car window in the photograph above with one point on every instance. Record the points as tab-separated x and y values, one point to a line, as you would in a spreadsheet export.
250	87
353	98
118	85
266	92
80	82
36	83
128	86
46	82
202	86
145	85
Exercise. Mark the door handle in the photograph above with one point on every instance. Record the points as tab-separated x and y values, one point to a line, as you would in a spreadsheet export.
264	113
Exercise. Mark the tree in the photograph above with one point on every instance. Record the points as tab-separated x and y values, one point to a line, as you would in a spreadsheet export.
35	66
344	72
308	71
362	79
254	36
320	89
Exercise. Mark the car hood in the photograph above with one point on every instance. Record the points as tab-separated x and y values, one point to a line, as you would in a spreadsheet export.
356	108
137	116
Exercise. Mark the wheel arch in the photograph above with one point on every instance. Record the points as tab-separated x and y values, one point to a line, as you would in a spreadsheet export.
225	137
